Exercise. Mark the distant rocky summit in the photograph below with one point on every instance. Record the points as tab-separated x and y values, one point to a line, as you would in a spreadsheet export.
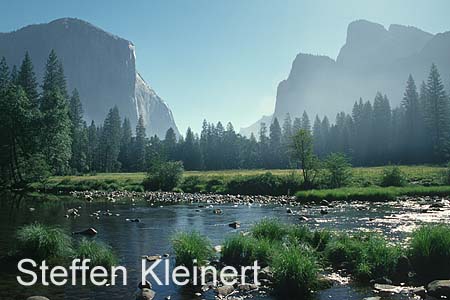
373	59
100	65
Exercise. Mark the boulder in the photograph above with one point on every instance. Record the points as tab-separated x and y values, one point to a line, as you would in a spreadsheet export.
145	294
37	298
420	291
225	290
387	288
439	288
90	231
235	224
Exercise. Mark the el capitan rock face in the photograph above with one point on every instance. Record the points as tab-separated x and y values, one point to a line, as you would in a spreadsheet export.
100	65
373	59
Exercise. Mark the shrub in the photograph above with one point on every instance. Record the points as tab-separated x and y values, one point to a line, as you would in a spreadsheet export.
263	184
446	175
393	176
430	252
239	250
100	254
270	229
41	242
338	170
192	184
189	246
295	272
366	256
164	176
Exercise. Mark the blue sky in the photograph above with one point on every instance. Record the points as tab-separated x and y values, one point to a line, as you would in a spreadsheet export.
222	60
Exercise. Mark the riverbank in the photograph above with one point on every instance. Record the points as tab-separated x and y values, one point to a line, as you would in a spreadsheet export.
364	184
298	261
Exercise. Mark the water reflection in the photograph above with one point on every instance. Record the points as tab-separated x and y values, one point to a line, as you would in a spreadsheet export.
158	223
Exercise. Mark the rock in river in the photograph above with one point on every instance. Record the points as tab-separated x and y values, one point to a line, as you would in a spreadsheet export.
225	290
235	224
90	231
145	294
37	298
439	288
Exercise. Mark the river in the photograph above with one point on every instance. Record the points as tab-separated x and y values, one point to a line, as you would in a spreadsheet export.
158	223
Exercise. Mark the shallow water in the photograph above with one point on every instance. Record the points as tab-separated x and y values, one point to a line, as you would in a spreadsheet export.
152	235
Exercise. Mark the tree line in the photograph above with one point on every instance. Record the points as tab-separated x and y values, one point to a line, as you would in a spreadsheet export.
43	132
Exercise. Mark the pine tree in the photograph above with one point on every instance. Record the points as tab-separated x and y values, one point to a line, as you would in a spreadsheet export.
55	133
297	125
170	144
381	129
317	137
140	145
437	115
286	140
92	147
192	159
4	74
14	75
126	146
27	79
275	144
264	145
110	141
306	124
78	161
413	122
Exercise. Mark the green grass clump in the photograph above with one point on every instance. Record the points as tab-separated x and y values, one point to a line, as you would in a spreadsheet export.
190	246
270	229
393	176
370	193
239	250
295	272
430	252
365	256
41	242
99	253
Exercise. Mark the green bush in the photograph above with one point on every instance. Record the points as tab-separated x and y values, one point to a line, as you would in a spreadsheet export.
270	229
99	253
41	242
430	252
164	176
263	184
366	256
446	175
239	250
192	184
393	176
338	170
295	272
189	246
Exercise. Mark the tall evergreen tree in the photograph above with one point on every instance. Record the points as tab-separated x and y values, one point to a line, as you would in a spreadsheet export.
126	146
55	138
275	144
109	145
381	129
140	145
92	147
78	161
170	144
27	80
306	123
192	157
413	126
437	115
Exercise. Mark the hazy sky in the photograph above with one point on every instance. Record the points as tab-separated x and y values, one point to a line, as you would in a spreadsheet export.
222	60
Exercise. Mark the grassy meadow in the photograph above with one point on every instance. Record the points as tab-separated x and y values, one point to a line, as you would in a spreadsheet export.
364	184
